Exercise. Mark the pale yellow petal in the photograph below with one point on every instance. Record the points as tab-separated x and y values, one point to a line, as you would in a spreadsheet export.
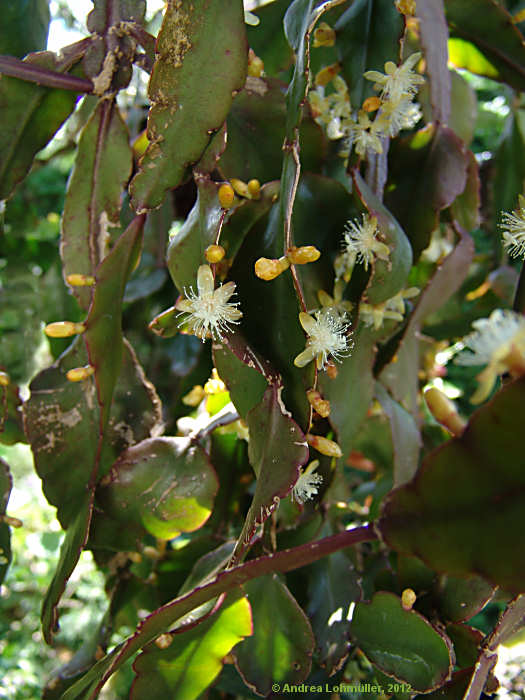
304	357
205	282
307	322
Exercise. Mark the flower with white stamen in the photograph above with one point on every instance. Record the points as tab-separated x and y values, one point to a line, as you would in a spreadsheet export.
513	227
361	243
210	312
326	332
397	81
307	485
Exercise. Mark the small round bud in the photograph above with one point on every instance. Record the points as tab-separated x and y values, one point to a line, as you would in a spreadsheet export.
303	255
63	329
240	187
78	280
78	374
326	75
371	104
226	196
254	189
163	640
324	445
267	269
320	405
324	35
4	379
255	65
214	253
408	598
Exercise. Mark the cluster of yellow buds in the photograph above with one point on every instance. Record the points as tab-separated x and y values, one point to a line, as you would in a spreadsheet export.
247	190
324	35
270	268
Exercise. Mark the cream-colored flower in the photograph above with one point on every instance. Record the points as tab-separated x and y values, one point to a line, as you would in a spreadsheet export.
210	312
327	337
397	81
366	135
499	343
513	227
361	243
392	309
395	116
307	485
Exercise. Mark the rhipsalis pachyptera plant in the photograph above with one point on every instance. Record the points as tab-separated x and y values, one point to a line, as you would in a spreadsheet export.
285	248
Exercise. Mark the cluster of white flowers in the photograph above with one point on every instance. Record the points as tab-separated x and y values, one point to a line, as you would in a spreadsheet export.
396	109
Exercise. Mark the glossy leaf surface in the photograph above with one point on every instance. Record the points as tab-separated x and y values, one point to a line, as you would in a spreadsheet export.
165	484
280	649
32	115
402	643
488	25
203	43
92	206
473	528
195	656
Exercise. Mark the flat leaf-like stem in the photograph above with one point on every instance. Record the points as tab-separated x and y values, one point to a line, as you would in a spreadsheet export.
463	511
162	619
16	68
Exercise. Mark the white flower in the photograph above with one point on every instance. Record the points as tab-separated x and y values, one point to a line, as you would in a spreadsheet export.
366	135
326	336
360	242
397	81
514	230
499	343
306	486
395	116
210	311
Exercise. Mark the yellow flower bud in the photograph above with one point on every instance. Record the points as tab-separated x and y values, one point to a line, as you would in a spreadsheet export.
9	520
240	187
320	405
4	379
324	35
78	280
331	370
324	445
63	329
214	385
267	269
408	598
254	189
444	411
406	7
371	104
519	16
325	75
255	65
226	196
163	640
302	255
135	557
194	397
78	374
214	253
